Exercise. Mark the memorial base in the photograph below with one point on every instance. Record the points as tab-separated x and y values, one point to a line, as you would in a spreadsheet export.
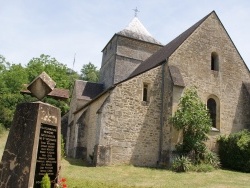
33	146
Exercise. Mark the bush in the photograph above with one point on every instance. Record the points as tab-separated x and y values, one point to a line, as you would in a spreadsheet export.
181	164
234	151
212	159
201	168
45	183
192	117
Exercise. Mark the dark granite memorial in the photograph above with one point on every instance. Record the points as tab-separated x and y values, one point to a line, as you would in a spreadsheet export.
33	146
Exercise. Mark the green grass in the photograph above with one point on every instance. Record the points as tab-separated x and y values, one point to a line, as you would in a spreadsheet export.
79	175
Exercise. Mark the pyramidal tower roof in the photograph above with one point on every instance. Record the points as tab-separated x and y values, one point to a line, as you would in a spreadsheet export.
135	29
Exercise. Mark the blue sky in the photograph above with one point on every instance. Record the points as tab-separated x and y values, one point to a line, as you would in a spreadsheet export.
62	28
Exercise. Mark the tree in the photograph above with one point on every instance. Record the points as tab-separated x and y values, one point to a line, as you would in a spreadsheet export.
193	118
60	73
13	76
90	73
2	63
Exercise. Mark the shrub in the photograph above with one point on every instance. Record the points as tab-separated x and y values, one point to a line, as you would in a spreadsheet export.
181	164
234	151
212	159
202	167
192	117
45	183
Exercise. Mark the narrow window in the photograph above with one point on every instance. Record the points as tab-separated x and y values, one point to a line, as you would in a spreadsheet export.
145	92
214	62
211	105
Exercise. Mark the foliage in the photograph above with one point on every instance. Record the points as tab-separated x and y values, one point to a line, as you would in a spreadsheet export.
63	153
13	76
202	167
45	183
181	164
2	129
90	73
11	79
60	73
234	151
212	159
193	119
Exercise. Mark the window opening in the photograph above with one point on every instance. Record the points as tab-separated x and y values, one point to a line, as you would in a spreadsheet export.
214	61
145	92
211	105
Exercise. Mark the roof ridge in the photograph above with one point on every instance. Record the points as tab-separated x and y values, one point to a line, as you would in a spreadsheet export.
165	52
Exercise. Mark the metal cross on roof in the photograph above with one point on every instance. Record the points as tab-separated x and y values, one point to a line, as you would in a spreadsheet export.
136	11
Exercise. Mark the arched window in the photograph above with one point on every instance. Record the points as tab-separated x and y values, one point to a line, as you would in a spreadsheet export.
145	92
214	61
211	105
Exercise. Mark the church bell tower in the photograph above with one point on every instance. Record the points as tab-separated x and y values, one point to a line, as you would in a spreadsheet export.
125	51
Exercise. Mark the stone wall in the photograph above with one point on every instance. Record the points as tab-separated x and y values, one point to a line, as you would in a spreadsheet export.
121	56
193	58
107	70
124	67
84	131
131	126
135	49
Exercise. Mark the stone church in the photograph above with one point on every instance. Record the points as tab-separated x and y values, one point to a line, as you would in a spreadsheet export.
124	119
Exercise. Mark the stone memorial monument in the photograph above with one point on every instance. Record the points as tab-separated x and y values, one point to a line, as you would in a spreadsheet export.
33	146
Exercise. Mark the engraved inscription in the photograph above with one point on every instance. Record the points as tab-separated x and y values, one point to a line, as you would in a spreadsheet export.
46	154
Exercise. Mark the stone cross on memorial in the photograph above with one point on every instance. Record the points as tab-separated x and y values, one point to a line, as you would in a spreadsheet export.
33	146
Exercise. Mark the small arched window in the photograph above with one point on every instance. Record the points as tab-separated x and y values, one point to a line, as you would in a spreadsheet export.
214	61
145	92
211	105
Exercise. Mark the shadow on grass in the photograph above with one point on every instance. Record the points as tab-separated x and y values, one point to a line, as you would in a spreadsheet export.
78	162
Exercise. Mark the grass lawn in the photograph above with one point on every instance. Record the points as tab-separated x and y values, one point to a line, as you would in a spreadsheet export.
79	175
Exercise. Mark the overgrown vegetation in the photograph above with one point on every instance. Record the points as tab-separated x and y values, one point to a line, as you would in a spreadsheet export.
234	151
192	118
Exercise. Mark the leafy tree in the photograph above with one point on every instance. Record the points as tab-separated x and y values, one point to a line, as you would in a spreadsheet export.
2	63
192	117
13	76
90	73
11	79
60	73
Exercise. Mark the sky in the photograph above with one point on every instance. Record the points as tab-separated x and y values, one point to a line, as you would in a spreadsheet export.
80	29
